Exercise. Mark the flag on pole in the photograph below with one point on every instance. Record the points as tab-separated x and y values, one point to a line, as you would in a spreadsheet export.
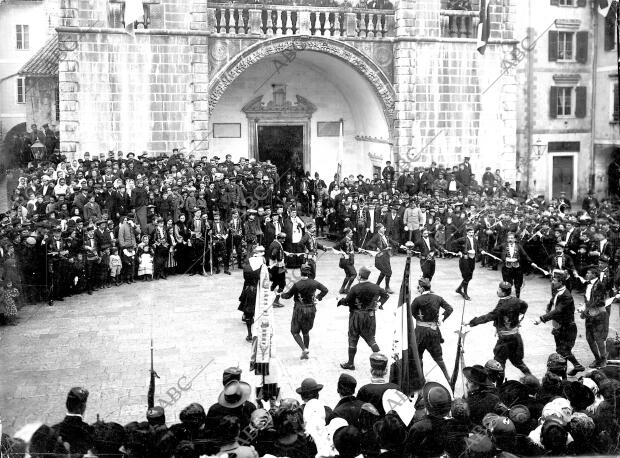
134	11
407	371
262	345
484	26
604	6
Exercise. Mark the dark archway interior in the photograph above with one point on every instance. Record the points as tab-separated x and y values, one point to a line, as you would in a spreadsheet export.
282	144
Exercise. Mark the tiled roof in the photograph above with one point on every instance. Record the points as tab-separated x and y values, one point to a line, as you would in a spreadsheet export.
45	60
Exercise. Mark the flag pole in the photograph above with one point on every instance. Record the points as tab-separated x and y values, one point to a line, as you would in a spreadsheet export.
153	374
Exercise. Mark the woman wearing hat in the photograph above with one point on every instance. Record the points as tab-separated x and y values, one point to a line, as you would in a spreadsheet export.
251	277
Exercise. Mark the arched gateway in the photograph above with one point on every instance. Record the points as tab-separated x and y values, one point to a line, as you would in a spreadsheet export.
283	99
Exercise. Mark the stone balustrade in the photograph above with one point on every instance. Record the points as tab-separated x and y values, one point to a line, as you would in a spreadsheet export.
235	19
459	24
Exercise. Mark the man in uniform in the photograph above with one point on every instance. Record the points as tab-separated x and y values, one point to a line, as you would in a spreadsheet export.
303	292
362	303
373	392
277	271
468	248
514	256
506	319
427	248
561	312
425	309
308	241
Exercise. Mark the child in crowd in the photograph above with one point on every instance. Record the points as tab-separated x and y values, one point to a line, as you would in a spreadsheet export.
128	264
440	238
104	269
116	266
145	268
8	307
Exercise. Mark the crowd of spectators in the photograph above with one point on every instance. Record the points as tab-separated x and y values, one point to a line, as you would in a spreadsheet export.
496	417
76	226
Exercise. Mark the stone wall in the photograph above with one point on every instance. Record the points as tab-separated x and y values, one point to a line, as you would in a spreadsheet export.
144	108
448	93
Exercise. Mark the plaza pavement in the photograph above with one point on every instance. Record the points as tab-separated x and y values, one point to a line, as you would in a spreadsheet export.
102	342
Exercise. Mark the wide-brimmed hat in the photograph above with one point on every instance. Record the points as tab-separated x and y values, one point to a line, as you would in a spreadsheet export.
476	374
234	394
309	385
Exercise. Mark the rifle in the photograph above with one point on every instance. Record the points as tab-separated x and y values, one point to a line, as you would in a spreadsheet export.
204	249
459	360
210	254
151	394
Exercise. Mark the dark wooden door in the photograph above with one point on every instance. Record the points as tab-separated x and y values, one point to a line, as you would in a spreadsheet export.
563	176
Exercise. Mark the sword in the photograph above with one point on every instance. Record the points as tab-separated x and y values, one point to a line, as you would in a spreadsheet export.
491	256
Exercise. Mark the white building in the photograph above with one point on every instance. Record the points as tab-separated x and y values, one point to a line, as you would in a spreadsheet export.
25	26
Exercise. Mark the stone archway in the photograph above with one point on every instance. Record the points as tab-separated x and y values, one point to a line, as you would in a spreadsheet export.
291	44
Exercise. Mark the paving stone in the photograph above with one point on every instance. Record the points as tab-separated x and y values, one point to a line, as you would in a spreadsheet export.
102	342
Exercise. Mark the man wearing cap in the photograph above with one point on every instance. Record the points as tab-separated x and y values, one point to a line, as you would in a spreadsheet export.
468	249
73	429
277	271
425	310
348	407
303	292
561	263
373	392
506	318
561	313
362	303
430	432
235	236
91	252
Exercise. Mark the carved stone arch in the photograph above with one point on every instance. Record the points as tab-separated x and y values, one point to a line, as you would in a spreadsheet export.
343	51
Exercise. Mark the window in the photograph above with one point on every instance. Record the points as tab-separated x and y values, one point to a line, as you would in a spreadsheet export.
566	3
21	90
21	36
566	44
565	102
615	104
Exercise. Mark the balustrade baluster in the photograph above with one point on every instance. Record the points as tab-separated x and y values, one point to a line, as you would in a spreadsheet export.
269	30
277	23
287	28
337	25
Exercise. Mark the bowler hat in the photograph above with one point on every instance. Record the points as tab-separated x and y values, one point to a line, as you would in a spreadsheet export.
309	385
234	394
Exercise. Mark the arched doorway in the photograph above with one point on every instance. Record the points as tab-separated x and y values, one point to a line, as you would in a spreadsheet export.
9	147
308	85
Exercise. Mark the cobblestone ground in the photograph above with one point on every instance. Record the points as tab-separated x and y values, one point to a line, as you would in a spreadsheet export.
101	342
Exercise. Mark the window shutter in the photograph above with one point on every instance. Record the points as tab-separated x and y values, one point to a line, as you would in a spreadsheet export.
610	32
580	108
553	102
582	2
553	46
582	47
616	104
555	2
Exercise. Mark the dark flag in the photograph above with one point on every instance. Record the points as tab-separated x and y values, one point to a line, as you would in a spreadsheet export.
407	369
484	26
